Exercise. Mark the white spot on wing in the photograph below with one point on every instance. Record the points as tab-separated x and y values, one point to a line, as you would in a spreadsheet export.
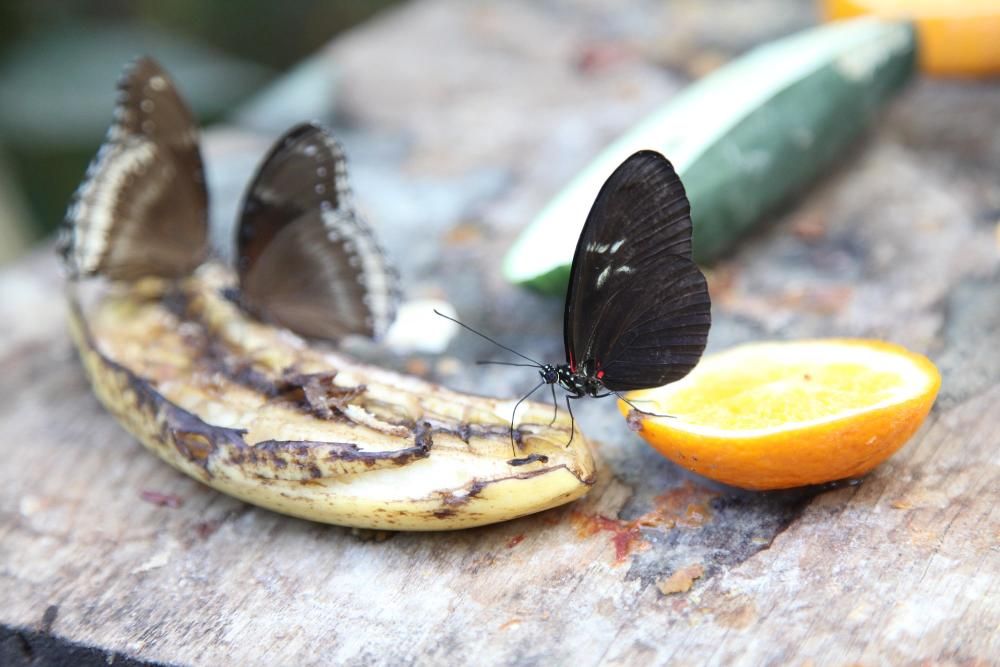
601	248
602	277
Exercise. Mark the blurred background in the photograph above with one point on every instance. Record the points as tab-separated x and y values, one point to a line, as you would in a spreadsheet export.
59	61
564	76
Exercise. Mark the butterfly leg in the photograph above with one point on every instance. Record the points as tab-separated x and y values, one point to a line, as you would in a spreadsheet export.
633	406
572	419
555	404
513	415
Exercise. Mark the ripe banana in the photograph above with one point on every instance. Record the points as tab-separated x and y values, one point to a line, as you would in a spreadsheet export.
260	414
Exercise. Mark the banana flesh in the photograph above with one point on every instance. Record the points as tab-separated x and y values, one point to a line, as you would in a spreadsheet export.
262	415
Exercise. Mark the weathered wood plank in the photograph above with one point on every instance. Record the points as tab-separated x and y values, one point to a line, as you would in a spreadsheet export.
466	117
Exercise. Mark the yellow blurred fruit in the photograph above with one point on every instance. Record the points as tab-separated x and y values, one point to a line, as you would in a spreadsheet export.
786	414
957	37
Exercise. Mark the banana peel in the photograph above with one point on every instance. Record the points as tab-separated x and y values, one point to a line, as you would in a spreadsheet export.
260	414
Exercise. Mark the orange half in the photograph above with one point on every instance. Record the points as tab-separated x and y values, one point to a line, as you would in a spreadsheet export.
957	37
786	414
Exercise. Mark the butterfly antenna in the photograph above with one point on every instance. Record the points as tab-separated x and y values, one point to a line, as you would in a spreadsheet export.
503	363
482	335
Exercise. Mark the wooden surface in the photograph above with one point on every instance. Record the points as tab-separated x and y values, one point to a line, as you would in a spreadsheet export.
461	119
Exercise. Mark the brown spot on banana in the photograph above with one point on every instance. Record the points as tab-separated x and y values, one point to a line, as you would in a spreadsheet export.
260	414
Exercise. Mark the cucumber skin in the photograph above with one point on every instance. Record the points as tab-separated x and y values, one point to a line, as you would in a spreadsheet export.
728	198
799	131
553	282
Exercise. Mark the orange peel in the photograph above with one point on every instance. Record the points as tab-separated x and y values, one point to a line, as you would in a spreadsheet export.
956	37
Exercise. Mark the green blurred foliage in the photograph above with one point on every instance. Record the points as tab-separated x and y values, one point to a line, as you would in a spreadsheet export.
59	60
276	34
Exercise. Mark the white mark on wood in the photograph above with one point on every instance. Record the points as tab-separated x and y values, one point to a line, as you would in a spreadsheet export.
154	562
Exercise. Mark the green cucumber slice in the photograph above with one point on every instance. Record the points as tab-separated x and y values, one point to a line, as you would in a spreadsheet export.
743	139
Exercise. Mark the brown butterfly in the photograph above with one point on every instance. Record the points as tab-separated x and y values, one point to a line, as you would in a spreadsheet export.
305	258
142	209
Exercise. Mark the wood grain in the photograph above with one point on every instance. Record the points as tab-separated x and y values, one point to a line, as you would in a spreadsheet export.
465	119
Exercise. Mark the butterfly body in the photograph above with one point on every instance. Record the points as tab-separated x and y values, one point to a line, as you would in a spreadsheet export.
577	384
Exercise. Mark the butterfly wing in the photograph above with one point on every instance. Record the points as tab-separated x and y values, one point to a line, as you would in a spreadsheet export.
304	257
142	208
637	308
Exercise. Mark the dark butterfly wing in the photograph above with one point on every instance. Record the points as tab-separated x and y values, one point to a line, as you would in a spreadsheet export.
637	308
304	257
142	208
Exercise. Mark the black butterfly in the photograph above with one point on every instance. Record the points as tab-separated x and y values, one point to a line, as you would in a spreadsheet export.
637	307
304	258
142	209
